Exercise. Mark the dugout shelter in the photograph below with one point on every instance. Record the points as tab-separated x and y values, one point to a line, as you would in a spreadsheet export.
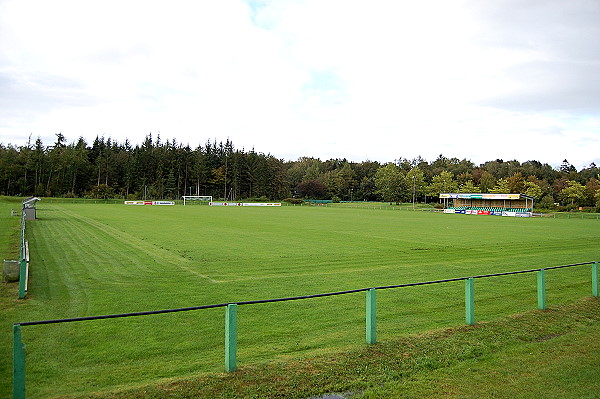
29	208
488	204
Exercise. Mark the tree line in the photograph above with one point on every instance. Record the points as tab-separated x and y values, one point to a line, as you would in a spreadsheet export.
158	169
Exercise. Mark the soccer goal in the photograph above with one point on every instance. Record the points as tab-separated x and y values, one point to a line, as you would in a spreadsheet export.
190	199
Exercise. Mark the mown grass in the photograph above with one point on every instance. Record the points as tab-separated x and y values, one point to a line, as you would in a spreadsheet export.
100	259
537	354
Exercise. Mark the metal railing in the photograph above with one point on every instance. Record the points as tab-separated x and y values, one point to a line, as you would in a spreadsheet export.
23	260
231	314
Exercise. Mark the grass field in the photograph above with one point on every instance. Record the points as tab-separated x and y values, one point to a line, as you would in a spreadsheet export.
554	354
100	259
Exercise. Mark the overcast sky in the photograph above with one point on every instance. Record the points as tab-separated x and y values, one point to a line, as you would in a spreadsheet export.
362	80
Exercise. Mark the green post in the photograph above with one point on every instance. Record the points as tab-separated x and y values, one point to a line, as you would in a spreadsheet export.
595	279
470	301
541	289
231	337
371	317
18	364
22	277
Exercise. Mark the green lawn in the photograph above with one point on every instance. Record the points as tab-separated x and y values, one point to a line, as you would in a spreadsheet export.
100	259
551	354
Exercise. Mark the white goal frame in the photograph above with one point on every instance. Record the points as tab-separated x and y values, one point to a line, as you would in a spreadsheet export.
208	198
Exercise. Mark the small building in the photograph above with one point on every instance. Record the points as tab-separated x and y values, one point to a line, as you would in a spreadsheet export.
488	204
29	207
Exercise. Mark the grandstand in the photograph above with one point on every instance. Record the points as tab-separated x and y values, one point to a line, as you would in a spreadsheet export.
488	204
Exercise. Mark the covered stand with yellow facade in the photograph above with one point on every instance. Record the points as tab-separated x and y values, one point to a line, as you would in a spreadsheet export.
488	204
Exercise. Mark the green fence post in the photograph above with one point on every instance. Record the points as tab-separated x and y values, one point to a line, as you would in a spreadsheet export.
371	316
470	301
541	289
22	276
595	279
231	337
18	364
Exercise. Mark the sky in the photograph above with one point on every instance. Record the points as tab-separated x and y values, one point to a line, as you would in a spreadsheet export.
363	80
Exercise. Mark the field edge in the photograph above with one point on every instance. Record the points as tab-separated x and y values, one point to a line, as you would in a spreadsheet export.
426	363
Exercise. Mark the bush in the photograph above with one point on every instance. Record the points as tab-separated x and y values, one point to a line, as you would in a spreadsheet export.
295	201
575	208
101	191
438	206
547	202
335	199
259	199
568	208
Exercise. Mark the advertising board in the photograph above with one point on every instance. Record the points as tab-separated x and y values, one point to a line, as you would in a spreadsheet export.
149	202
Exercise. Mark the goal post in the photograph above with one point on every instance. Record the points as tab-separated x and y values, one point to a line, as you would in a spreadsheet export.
193	198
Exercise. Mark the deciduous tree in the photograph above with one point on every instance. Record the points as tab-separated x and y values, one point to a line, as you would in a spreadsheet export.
502	186
442	183
574	193
391	183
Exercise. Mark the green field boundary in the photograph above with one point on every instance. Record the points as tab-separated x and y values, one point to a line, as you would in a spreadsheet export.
231	329
570	215
328	204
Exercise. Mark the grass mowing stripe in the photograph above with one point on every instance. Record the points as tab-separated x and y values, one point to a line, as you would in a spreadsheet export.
136	244
62	283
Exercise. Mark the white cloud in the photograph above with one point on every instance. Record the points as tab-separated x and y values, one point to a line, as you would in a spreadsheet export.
375	80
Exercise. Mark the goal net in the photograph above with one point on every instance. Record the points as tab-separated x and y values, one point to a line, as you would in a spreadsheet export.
196	199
